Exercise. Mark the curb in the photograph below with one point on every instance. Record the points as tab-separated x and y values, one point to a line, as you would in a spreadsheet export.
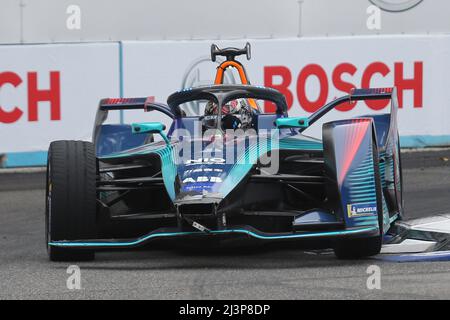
419	240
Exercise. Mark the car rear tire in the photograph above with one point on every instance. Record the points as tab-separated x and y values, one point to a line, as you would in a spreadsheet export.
70	198
364	247
357	248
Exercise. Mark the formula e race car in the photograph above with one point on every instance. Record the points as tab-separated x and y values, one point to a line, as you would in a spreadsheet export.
225	170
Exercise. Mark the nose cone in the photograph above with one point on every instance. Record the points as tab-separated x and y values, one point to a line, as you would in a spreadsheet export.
201	177
203	168
217	167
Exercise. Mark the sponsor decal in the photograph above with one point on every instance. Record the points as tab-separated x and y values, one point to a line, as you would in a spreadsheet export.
293	83
201	170
361	209
35	95
202	179
197	187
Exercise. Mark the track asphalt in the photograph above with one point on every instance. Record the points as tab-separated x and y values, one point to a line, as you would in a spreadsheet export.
250	273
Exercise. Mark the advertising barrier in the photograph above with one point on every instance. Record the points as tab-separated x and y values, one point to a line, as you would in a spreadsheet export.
51	92
312	71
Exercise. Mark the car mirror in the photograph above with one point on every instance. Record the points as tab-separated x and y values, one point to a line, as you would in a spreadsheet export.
292	122
150	127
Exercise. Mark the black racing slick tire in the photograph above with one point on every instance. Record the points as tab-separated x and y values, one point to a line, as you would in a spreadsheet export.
347	249
356	248
70	198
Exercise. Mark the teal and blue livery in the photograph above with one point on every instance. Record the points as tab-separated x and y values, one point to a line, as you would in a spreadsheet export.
225	169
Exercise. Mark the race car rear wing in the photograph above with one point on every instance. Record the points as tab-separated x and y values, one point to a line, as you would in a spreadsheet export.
358	95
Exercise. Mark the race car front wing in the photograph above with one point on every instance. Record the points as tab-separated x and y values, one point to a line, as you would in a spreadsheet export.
245	231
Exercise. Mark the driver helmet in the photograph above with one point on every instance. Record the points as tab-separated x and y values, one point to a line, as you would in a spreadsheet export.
232	107
235	114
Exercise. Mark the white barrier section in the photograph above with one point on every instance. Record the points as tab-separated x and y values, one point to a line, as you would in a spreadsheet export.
51	92
312	71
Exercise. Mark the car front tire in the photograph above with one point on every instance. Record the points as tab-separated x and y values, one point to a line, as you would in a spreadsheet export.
70	198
